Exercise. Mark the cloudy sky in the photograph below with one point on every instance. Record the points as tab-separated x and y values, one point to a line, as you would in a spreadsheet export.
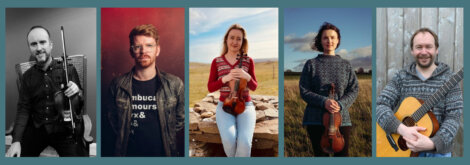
301	26
207	27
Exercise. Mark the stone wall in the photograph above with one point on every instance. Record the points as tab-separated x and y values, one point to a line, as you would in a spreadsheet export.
204	135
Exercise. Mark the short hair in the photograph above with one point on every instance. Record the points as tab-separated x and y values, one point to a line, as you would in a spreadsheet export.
38	27
317	40
244	46
147	30
424	30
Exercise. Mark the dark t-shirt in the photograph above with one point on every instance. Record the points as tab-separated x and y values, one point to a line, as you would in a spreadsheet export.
145	138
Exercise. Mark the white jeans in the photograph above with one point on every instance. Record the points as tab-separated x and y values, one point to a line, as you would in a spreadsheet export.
236	132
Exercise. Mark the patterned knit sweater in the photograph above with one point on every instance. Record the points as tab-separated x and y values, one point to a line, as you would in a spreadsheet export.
221	67
406	83
314	84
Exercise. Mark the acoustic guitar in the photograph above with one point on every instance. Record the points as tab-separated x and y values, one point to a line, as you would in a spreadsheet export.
413	112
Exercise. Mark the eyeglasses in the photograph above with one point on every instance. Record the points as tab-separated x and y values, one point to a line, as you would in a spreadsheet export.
136	48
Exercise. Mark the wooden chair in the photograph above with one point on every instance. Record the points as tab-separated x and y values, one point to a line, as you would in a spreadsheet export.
79	62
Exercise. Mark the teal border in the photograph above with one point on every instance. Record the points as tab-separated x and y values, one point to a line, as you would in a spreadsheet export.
280	4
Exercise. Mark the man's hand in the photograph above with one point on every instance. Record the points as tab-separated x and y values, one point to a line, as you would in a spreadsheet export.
415	141
72	89
332	106
14	150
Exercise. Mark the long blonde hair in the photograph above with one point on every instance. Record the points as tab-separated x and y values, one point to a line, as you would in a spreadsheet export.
244	42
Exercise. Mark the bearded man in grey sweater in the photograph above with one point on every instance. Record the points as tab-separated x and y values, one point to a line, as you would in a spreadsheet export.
420	80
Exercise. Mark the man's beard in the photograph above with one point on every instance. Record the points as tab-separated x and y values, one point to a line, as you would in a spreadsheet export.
421	56
42	63
144	61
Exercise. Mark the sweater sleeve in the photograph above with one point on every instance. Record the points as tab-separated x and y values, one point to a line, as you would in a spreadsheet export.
306	85
443	140
351	91
214	82
386	102
252	84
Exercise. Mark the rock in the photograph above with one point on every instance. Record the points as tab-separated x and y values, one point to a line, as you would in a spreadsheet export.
262	106
208	99
196	132
267	129
202	107
264	144
272	113
205	135
197	109
197	149
207	114
274	102
256	97
208	138
260	116
208	125
214	95
194	119
263	99
213	118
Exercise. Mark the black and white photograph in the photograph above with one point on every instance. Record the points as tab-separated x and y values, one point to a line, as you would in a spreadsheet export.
50	73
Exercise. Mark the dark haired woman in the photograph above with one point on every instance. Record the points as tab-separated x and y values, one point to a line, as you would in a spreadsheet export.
236	132
317	75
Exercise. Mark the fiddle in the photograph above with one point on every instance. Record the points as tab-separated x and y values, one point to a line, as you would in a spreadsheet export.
235	103
66	106
332	141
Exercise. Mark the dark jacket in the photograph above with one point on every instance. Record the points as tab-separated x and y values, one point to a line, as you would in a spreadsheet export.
170	104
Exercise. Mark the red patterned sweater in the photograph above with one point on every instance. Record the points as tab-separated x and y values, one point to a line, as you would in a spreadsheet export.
221	67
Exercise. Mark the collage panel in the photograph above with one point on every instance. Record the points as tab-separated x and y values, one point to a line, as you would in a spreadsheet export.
233	82
419	94
51	82
142	82
327	82
333	72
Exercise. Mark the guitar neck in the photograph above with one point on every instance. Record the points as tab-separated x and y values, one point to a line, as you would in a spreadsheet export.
438	95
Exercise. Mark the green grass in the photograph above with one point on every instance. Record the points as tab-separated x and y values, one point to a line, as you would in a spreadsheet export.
266	75
296	141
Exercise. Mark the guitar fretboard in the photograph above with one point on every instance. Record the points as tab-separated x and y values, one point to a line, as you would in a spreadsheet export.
438	95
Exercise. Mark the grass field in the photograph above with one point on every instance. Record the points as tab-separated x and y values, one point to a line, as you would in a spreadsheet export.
266	75
296	142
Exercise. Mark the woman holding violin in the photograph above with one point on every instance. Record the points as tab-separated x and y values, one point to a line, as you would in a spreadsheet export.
329	86
233	74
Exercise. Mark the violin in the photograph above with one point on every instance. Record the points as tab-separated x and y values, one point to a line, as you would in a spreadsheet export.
67	107
235	104
332	141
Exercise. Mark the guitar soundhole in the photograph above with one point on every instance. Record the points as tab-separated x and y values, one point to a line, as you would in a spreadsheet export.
409	122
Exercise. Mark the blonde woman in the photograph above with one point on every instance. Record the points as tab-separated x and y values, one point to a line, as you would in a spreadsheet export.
236	131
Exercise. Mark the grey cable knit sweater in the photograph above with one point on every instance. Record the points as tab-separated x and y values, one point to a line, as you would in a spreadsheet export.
407	83
314	84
